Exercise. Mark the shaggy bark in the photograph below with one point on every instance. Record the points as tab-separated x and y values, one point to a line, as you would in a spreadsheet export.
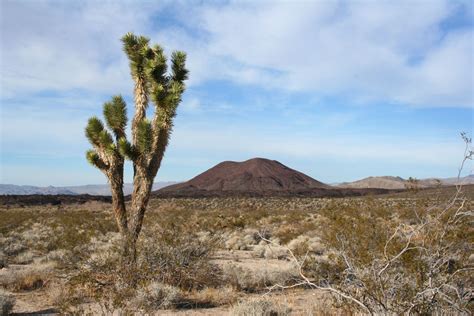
118	200
140	196
141	103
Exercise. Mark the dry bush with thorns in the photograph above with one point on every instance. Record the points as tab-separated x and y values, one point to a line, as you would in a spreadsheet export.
180	257
397	263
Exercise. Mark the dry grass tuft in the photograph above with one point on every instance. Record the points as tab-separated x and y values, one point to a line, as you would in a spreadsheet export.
29	282
260	307
212	297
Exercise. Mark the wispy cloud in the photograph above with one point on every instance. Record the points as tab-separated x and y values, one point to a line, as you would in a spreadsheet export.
53	45
394	52
371	51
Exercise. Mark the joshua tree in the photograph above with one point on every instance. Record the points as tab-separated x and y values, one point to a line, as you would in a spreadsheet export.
148	67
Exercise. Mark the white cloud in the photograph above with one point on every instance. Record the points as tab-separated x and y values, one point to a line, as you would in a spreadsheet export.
60	46
371	51
393	52
447	73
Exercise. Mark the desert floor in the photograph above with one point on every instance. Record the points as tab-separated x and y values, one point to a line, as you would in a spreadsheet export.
207	256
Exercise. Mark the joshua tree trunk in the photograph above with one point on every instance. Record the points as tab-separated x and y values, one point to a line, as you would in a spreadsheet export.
118	201
149	138
141	194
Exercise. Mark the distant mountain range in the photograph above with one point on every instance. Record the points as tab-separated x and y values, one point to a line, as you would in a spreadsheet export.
257	177
92	189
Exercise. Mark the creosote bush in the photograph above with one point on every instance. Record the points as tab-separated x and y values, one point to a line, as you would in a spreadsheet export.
180	258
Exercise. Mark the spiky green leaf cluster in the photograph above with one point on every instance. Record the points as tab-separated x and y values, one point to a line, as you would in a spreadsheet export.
178	61
158	93
126	149
115	113
92	156
172	100
137	50
94	159
98	136
106	141
93	129
156	66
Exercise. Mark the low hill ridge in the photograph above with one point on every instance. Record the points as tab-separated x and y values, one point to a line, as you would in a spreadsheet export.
395	183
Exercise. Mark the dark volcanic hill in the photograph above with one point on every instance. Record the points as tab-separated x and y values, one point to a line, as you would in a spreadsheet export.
256	175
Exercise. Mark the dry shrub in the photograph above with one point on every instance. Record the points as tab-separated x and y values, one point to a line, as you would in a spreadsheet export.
27	278
30	281
169	261
179	257
271	251
56	293
102	278
302	245
212	297
59	256
7	302
12	245
413	261
255	280
155	296
240	241
27	234
260	307
74	233
15	219
25	257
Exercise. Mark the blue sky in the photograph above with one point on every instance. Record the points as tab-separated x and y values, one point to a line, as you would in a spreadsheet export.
339	90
